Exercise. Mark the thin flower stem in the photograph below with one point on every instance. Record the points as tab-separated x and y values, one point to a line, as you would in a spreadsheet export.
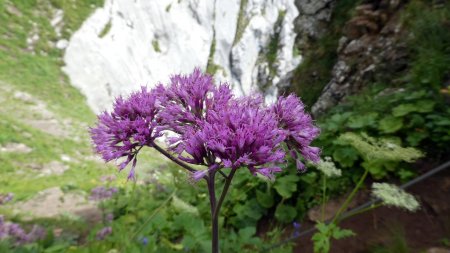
223	174
214	221
324	190
374	206
215	206
175	160
224	192
350	197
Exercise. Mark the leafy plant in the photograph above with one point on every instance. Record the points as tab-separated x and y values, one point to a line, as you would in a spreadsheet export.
389	195
325	232
412	117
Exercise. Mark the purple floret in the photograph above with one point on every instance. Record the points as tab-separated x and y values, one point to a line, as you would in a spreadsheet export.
103	233
102	193
130	126
299	129
243	134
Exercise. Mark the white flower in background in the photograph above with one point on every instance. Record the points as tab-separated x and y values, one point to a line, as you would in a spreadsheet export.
328	168
392	195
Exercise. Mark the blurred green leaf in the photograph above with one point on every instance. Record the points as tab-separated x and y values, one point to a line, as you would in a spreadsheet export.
265	199
360	121
404	109
345	156
285	213
286	185
390	124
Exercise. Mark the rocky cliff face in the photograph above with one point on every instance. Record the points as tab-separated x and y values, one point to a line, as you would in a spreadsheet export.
313	19
126	44
372	49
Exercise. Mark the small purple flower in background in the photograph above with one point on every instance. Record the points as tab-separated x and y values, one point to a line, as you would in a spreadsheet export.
144	241
102	193
18	234
15	231
103	233
36	233
299	129
5	198
3	228
296	226
109	217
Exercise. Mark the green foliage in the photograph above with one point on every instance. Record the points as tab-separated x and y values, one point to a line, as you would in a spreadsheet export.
40	69
384	150
37	71
242	22
430	42
395	117
172	217
285	213
105	29
286	186
325	232
155	45
274	43
397	242
212	67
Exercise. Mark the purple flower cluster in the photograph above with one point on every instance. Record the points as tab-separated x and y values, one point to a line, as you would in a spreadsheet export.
5	198
130	126
103	233
297	227
19	236
299	128
207	126
100	193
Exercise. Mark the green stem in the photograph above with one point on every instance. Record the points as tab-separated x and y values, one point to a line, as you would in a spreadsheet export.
350	197
324	190
175	160
214	220
224	192
374	206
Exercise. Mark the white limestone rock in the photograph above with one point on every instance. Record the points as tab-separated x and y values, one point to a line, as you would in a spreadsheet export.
127	44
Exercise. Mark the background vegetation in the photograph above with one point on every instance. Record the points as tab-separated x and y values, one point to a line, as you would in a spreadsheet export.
163	212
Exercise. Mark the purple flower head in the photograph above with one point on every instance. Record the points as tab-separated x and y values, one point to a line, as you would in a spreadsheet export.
243	134
100	193
103	233
299	129
207	126
185	104
130	126
144	241
187	99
